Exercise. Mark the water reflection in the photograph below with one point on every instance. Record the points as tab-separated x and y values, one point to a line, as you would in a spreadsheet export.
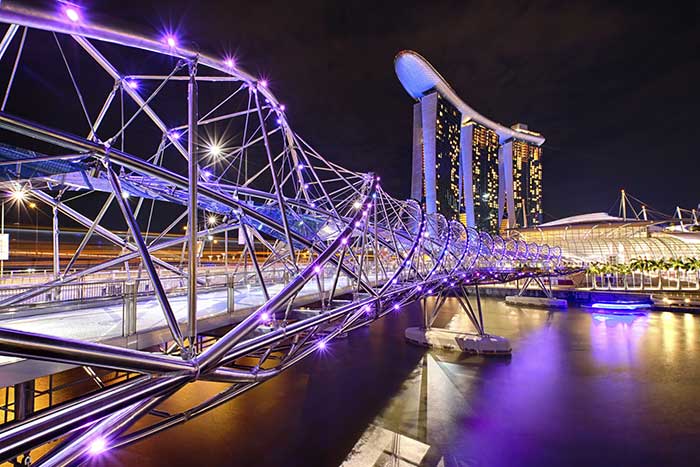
581	388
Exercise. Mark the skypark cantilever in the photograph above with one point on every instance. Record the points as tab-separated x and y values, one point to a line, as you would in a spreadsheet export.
486	170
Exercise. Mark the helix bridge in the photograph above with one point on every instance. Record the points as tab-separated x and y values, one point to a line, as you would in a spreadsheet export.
138	143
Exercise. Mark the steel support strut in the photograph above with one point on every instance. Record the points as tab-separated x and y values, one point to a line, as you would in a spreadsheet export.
193	176
145	257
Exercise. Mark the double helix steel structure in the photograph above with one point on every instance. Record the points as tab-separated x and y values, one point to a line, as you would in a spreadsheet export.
121	136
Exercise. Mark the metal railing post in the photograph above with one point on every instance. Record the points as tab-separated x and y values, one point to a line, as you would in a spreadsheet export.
129	316
230	301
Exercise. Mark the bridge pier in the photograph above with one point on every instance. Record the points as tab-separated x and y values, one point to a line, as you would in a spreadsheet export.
548	301
445	339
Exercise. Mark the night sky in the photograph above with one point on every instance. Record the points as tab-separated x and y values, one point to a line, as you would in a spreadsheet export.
612	88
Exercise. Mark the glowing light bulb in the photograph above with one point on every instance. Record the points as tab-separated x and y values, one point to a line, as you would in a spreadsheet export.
133	84
72	14
18	194
263	83
170	40
265	316
357	205
322	345
214	150
97	446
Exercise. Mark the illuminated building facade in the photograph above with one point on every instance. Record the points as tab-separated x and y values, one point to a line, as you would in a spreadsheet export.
484	171
436	135
527	182
466	166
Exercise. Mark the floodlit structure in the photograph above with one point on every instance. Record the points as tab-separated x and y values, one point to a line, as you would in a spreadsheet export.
602	238
466	166
136	133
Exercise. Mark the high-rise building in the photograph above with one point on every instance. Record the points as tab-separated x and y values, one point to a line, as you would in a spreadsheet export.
484	162
436	180
466	166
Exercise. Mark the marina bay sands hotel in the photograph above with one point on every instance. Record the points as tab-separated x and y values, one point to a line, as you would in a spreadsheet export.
466	166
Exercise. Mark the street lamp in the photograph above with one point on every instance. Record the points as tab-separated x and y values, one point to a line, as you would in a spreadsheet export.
214	150
32	205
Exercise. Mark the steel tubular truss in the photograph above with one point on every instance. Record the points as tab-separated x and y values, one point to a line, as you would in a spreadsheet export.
308	227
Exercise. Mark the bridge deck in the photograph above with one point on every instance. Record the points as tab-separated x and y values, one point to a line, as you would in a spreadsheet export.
103	323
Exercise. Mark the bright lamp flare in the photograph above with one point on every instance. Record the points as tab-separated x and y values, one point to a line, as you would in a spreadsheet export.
72	14
18	194
214	150
212	220
97	446
170	40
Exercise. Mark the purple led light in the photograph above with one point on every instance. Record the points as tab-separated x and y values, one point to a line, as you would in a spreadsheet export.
97	446
396	307
282	107
133	84
358	224
263	83
229	62
620	306
344	241
175	134
265	316
72	14
317	269
170	40
322	345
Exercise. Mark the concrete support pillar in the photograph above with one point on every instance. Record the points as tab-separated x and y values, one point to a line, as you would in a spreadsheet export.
505	183
428	119
417	163
466	172
24	400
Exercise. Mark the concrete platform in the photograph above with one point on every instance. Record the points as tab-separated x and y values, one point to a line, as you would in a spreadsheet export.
542	302
444	339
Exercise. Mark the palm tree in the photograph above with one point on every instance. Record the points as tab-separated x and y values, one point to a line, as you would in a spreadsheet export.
676	264
694	265
641	265
594	269
660	265
624	269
